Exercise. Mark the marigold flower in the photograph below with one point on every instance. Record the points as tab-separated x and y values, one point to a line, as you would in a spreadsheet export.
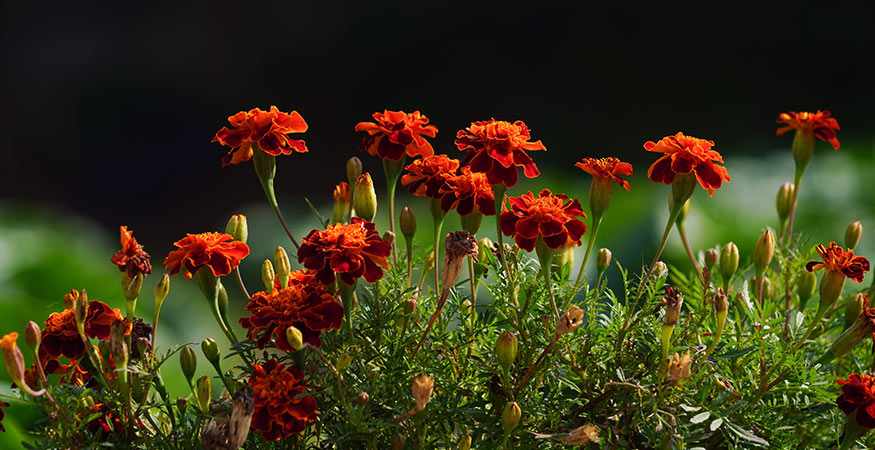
61	336
496	148
396	133
685	154
467	190
606	168
280	408
858	398
266	130
553	217
820	123
131	258
309	307
837	259
105	424
206	250
351	250
428	176
3	414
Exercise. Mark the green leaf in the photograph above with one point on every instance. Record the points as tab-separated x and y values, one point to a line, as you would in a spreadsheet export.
716	424
747	435
701	417
689	408
736	353
319	217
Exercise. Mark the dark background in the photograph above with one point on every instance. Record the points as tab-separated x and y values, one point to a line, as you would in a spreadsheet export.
108	110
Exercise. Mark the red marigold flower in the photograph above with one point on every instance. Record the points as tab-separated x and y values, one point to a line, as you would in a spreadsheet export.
396	133
466	190
820	123
212	250
3	414
307	306
266	130
61	337
685	154
553	217
428	176
837	259
131	258
496	148
351	250
280	408
106	424
606	168
858	398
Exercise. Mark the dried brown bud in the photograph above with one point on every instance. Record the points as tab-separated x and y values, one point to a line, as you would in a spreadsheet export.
70	298
679	367
422	388
118	348
570	321
721	304
582	435
458	244
711	257
389	237
362	398
673	300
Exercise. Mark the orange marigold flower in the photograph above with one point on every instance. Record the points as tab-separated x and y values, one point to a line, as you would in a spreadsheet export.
820	123
428	176
309	307
552	217
341	192
607	168
61	337
131	258
858	398
396	133
280	408
351	250
466	190
3	414
837	259
496	148
685	154
266	130
218	251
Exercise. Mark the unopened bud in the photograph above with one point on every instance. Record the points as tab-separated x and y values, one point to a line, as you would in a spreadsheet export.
711	257
728	260
510	417
768	289
267	275
784	201
118	346
362	398
188	363
764	251
484	250
32	336
407	222
603	260
343	362
471	221
342	202
853	234
428	263
506	350
295	338
181	405
143	346
422	388
14	360
721	303
660	269
466	308
365	197
80	311
673	301
204	393
161	291
283	266
398	441
353	169
131	286
389	237
465	442
210	349
853	309
222	299
562	256
237	227
806	284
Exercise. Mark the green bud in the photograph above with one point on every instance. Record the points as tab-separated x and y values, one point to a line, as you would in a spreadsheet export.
365	198
784	201
267	275
283	266
295	338
87	402
806	283
465	307
660	269
506	350
728	260
161	291
32	336
465	442
204	393
711	257
484	250
188	362
764	251
131	286
603	260
853	309
510	417
237	227
428	264
210	349
223	299
343	362
353	169
407	221
600	191
853	234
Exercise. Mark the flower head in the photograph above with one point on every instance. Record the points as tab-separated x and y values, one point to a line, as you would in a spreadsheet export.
280	408
428	176
467	190
837	259
858	398
606	168
307	306
820	123
61	336
131	258
266	130
679	367
497	148
686	154
552	217
396	133
351	250
211	250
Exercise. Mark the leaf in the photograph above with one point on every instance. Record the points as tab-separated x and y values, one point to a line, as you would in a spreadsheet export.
736	353
689	408
319	217
747	435
716	424
701	417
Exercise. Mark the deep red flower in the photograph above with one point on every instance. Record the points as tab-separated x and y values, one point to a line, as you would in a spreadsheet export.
467	190
266	130
685	154
280	408
106	424
837	259
3	414
607	168
496	148
858	394
307	306
820	123
552	217
396	133
218	251
351	250
428	176
131	258
61	337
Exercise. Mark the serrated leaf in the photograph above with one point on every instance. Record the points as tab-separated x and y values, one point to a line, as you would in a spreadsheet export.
716	424
701	417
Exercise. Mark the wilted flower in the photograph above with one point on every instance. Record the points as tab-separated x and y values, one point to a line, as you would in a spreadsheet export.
679	367
467	190
131	258
423	386
686	154
673	300
349	250
497	148
582	435
396	133
552	217
570	321
280	408
218	251
258	129
820	124
427	177
458	245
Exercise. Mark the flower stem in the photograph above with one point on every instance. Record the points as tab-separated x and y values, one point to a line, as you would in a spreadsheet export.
265	168
438	218
596	221
797	181
499	191
392	170
682	230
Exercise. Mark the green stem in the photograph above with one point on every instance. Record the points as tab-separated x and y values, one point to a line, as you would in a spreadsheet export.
596	221
499	191
265	168
798	180
438	218
392	169
682	230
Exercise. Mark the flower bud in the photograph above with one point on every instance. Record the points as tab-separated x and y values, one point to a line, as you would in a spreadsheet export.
210	349
672	301
660	269
853	234
407	222
295	338
711	257
389	237
398	441
422	388
506	350
603	260
471	222
267	275
600	191
466	308
14	360
831	285
80	311
853	309
222	299
806	283
465	442
181	405
342	202
365	198
362	398
510	417
485	246
343	362
143	346
784	201
188	362
204	393
161	291
70	298
768	289
237	228
428	263
33	336
353	169
87	402
118	346
283	266
728	260
764	251
131	287
721	302
562	256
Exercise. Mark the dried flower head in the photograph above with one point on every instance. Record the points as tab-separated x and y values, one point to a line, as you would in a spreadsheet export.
679	367
858	398
427	177
686	154
218	251
423	386
609	167
458	244
570	321
820	123
281	409
467	190
552	217
497	148
672	301
131	258
837	259
258	129
582	435
350	250
396	133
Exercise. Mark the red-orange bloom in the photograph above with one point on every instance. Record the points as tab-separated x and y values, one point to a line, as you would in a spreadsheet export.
685	154
341	192
858	398
837	259
106	424
496	148
266	130
466	190
553	217
396	133
280	408
308	307
428	176
61	337
218	251
131	258
820	123
607	168
351	250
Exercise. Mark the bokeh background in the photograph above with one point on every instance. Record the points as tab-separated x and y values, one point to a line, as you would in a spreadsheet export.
108	111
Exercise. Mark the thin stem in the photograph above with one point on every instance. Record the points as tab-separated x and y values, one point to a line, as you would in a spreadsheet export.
596	221
437	313
682	230
409	261
240	283
336	373
528	375
499	191
793	208
438	224
391	182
